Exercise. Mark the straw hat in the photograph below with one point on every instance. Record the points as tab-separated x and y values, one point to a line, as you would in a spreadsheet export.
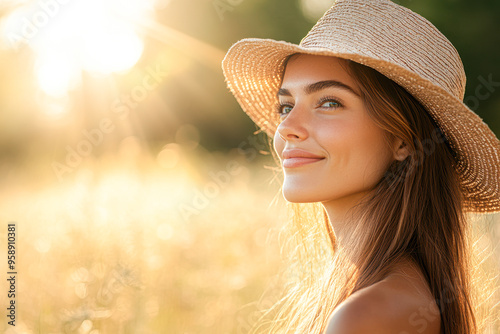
403	46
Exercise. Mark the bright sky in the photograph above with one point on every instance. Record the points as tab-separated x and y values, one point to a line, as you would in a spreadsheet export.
68	36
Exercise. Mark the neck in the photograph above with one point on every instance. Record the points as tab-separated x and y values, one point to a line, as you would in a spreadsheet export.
339	213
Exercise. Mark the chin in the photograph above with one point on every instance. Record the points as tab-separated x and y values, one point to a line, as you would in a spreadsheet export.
298	196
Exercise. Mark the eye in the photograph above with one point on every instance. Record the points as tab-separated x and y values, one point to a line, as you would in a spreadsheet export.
329	103
284	109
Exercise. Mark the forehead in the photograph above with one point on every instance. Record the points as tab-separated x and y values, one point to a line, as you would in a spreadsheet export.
303	69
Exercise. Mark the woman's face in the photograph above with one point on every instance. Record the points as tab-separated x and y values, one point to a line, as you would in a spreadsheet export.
331	150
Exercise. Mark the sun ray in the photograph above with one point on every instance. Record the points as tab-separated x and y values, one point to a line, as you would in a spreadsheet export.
199	50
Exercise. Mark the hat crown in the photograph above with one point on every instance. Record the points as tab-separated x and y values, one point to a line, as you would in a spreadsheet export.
383	30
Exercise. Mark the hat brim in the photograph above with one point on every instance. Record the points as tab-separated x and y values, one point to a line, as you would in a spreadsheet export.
253	68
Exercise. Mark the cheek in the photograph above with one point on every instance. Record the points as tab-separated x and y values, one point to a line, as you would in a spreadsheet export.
358	152
371	156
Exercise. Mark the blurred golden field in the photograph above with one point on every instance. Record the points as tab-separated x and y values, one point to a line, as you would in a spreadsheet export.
143	201
112	252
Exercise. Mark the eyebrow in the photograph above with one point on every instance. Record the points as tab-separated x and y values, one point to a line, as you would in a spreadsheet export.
320	85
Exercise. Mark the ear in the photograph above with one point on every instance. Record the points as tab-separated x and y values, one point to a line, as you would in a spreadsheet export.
401	151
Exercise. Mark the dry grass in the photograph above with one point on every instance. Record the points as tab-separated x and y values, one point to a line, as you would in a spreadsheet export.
112	252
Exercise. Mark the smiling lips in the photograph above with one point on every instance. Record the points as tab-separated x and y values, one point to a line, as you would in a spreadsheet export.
297	158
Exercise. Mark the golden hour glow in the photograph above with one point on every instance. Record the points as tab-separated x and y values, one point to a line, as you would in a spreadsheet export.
55	74
99	36
56	108
143	198
112	52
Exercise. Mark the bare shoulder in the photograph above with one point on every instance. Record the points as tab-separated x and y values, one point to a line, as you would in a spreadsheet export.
399	304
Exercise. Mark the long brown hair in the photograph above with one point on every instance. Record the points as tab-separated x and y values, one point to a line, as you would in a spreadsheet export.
415	212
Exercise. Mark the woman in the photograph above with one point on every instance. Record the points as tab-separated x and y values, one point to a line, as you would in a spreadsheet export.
368	120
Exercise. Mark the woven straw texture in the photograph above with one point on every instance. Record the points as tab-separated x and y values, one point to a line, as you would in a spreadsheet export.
403	46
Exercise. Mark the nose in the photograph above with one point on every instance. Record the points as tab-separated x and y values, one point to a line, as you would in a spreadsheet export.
294	125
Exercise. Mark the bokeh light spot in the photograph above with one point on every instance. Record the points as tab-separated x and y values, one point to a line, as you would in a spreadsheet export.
81	290
85	327
169	157
80	275
55	74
